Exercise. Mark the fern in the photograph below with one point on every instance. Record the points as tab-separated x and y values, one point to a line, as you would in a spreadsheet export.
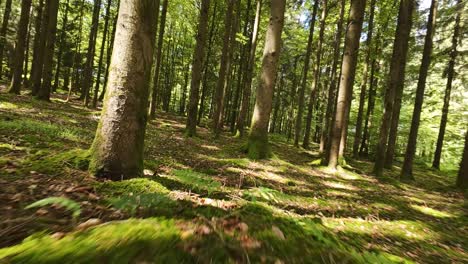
66	203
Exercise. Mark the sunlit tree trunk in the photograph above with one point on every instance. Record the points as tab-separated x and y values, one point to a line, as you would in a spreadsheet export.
396	78
197	67
88	70
117	150
21	36
257	146
448	88
348	70
407	169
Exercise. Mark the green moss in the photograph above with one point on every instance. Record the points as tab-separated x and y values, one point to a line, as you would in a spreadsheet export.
197	181
50	163
258	148
133	186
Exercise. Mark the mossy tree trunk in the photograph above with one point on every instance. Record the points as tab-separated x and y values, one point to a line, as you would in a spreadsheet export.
257	146
21	36
348	70
117	150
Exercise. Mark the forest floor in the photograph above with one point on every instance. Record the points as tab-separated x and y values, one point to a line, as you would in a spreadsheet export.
203	201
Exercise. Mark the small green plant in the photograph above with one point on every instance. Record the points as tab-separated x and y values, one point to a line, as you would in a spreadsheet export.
66	203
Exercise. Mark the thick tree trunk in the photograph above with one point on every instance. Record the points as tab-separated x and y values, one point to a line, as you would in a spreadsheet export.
52	11
197	67
88	71
3	32
257	146
247	85
117	150
223	70
61	45
462	179
101	53
157	66
302	88
21	36
348	70
407	169
362	96
396	78
448	88
316	80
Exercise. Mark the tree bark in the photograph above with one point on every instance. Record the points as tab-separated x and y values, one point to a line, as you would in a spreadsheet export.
257	146
302	88
39	43
396	78
52	11
407	169
462	178
223	70
197	67
117	150
348	70
362	96
61	45
3	32
316	80
157	66
109	53
21	36
88	70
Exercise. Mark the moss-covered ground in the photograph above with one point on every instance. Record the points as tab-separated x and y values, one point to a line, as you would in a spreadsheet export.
203	200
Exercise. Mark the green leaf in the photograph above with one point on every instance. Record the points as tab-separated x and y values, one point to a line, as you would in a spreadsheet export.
68	204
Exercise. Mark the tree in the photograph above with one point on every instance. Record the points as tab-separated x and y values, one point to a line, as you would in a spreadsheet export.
396	78
51	29
20	47
197	66
61	46
223	70
3	32
302	88
348	69
407	169
257	146
448	88
117	150
462	178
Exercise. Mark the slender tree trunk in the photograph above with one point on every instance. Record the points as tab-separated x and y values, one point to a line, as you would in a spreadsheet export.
117	150
61	45
316	81
27	49
277	99
101	53
302	88
109	53
257	146
223	68
396	78
333	81
292	105
247	85
15	86
347	76
157	66
38	48
3	33
448	88
462	178
197	67
51	17
407	169
362	97
89	67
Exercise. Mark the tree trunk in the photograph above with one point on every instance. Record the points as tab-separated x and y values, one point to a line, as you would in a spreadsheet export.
101	53
88	71
292	99
316	80
257	146
448	88
462	178
302	88
247	85
157	65
3	33
117	150
38	48
348	70
197	67
396	78
223	68
109	53
407	169
52	7
21	36
362	97
61	46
